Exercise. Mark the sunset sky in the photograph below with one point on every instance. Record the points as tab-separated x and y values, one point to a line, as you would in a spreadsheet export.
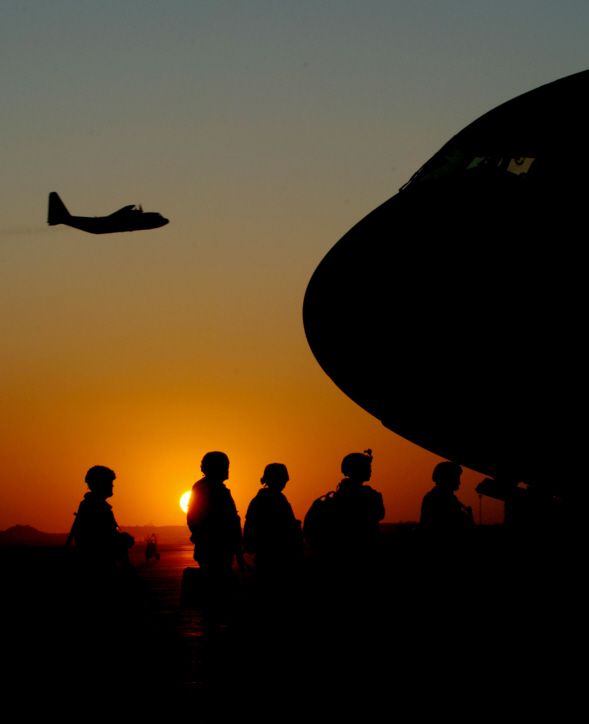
263	131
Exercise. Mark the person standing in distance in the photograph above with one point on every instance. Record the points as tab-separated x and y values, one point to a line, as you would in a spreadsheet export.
95	532
441	510
344	525
213	520
361	507
271	531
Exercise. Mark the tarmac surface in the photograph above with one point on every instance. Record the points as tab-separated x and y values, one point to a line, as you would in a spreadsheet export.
453	631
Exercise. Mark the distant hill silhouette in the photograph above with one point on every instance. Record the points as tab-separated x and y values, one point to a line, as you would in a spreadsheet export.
29	536
26	535
166	534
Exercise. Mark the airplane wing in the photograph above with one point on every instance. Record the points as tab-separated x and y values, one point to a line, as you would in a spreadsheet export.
125	210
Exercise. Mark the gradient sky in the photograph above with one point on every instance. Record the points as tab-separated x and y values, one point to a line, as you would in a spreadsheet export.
263	131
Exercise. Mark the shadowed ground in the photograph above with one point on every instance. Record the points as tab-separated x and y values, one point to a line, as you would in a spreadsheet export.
487	626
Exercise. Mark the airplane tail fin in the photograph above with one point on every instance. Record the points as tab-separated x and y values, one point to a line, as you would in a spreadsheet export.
57	213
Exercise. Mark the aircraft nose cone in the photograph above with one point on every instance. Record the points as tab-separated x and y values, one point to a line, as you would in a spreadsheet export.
414	330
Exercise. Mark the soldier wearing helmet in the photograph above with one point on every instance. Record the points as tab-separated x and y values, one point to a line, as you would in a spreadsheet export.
95	531
213	520
271	531
360	506
344	525
440	508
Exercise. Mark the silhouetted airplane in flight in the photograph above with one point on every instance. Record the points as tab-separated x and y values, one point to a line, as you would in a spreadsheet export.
455	312
129	218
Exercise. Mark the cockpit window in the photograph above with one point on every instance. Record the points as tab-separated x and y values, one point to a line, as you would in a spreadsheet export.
520	165
515	165
454	161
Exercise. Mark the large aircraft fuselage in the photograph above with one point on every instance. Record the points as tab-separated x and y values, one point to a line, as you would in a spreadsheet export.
455	311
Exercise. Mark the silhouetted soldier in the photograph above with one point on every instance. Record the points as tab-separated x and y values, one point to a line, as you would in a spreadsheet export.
99	542
445	526
342	529
440	508
271	531
360	507
215	526
344	525
99	621
445	588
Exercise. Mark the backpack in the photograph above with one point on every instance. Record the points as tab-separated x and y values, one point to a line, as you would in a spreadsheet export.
320	525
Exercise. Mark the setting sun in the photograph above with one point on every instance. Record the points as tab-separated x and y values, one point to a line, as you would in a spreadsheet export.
184	500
